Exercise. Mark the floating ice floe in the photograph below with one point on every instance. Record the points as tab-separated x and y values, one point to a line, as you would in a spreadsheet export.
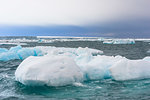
144	40
147	58
73	51
17	41
50	39
45	69
107	42
119	41
64	66
9	43
48	70
18	53
130	69
60	70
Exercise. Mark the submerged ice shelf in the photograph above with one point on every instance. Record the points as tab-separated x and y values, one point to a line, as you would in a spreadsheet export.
64	66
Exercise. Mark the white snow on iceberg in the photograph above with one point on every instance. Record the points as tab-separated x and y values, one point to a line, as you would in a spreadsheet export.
62	50
49	70
130	69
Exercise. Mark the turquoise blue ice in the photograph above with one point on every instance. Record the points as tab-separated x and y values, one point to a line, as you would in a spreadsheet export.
18	53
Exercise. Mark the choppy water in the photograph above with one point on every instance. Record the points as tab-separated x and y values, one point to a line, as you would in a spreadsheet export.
106	89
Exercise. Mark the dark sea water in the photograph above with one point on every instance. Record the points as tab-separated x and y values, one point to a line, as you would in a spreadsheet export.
105	89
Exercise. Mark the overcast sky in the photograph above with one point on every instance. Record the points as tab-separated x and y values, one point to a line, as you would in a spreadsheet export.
100	16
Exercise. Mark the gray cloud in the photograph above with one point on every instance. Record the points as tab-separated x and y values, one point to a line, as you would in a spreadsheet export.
71	12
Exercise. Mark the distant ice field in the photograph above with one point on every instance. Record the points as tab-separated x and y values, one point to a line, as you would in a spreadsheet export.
138	50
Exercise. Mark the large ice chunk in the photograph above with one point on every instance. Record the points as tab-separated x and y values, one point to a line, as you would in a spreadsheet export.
48	70
18	53
130	69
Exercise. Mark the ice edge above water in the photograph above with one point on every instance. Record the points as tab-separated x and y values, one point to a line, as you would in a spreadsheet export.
18	53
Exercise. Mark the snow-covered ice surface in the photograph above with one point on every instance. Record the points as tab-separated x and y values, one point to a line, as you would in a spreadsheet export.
73	51
49	70
131	69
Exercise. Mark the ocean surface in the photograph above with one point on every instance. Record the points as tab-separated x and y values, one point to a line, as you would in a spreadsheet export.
103	89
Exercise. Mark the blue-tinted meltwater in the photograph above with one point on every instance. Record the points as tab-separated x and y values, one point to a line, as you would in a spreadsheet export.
88	78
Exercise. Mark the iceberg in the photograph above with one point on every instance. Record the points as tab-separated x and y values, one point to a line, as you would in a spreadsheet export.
64	66
48	70
107	42
147	58
18	52
61	70
130	69
119	41
49	39
124	41
61	50
26	52
9	43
